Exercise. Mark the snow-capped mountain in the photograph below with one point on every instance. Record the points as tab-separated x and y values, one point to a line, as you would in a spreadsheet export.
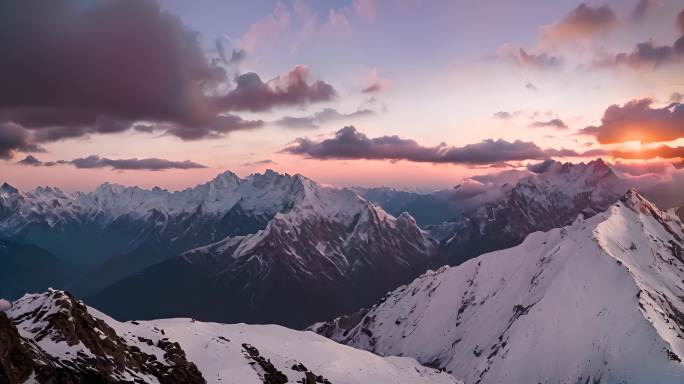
329	254
538	202
51	337
599	301
115	230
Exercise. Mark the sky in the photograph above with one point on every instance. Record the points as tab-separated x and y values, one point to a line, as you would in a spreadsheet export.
408	93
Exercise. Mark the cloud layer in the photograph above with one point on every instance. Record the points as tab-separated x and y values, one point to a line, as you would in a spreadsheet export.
323	116
95	161
349	143
15	138
553	123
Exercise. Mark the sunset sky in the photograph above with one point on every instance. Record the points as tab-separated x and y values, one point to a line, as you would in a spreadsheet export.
406	93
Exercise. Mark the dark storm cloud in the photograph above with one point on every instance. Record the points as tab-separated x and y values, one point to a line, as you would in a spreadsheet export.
349	143
14	138
71	68
253	94
321	117
553	123
94	161
58	62
217	127
637	120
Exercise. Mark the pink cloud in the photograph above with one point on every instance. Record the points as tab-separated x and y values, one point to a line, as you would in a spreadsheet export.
366	9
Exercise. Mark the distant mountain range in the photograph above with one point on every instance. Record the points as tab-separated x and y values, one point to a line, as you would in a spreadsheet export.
584	283
270	247
53	338
330	253
598	301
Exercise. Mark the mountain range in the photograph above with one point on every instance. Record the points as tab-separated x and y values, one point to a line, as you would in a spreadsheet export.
319	259
271	247
598	301
564	276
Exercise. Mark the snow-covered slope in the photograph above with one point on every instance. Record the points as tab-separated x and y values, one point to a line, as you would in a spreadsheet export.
539	202
57	336
600	301
330	254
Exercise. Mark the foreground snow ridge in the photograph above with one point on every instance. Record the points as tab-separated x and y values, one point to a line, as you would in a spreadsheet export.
58	337
599	301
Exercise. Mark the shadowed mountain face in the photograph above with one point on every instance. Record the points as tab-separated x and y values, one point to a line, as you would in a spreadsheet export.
115	231
606	290
330	254
26	267
427	208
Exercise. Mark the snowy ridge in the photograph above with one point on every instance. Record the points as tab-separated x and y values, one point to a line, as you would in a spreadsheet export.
63	329
116	231
601	300
266	193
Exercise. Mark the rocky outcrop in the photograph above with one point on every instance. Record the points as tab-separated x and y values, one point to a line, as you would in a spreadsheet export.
54	339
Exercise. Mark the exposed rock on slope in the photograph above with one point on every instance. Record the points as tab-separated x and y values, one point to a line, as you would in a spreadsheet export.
52	338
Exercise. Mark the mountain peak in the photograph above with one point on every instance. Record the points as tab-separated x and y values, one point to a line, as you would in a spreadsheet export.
638	203
226	174
8	188
108	187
